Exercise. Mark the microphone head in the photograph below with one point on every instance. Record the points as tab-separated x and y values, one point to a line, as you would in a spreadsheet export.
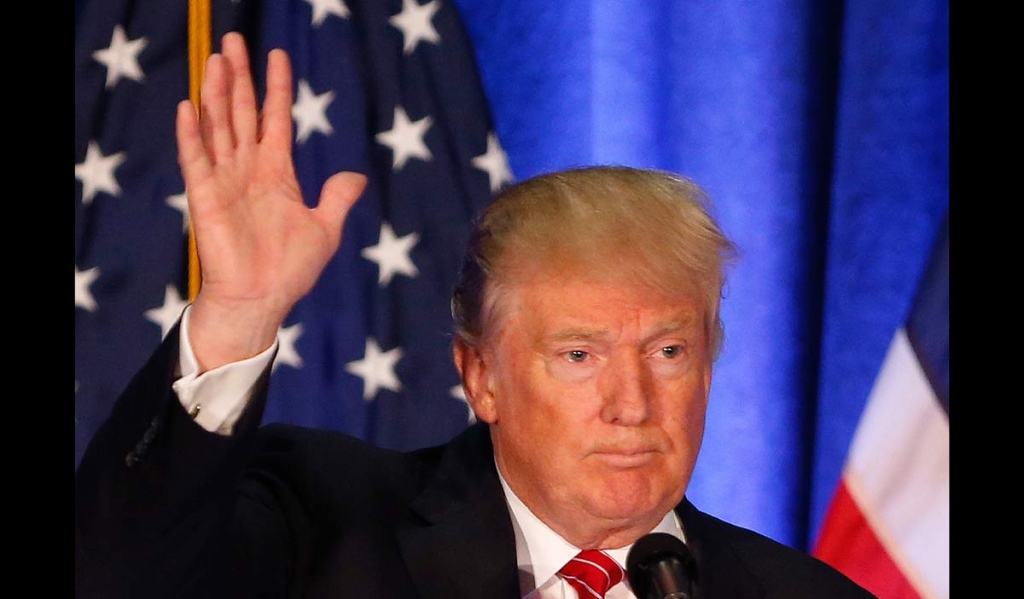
660	566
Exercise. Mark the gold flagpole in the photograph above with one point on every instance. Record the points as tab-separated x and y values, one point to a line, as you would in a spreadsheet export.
199	44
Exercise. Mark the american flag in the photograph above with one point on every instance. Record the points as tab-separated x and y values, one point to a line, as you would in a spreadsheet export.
388	88
887	526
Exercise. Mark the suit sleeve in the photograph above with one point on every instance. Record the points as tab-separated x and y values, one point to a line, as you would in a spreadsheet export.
156	501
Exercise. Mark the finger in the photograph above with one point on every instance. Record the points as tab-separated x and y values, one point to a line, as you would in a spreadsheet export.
191	153
215	121
243	95
338	195
276	128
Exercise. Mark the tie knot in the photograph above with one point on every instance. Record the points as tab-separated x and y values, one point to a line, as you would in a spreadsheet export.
592	573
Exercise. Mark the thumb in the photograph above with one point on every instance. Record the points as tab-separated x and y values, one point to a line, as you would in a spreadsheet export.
338	195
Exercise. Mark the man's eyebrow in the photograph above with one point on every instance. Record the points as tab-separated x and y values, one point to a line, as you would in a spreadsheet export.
576	334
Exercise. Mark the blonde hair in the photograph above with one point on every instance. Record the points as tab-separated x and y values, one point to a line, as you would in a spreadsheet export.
646	226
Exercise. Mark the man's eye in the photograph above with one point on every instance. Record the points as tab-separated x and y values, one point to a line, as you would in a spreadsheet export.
576	355
671	351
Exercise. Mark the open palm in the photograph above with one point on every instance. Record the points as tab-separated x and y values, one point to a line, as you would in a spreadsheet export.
260	247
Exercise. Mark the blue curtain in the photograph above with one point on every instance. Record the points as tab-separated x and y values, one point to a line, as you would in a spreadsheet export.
821	131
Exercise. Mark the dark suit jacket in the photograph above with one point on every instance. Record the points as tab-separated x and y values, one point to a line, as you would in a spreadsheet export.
166	509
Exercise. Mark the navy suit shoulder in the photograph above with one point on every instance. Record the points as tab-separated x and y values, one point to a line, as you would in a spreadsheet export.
378	522
733	562
375	482
314	461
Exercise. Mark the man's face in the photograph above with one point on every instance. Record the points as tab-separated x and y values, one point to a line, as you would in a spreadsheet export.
596	394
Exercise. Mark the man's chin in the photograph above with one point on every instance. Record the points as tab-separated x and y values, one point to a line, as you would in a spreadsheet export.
627	504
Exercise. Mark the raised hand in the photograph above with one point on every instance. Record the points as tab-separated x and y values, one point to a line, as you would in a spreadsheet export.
260	247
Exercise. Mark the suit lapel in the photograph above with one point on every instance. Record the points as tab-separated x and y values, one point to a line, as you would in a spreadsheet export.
464	546
720	571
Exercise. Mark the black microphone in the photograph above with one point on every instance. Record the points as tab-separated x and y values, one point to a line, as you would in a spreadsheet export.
660	566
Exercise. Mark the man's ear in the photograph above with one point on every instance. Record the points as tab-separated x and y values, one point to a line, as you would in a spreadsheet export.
476	380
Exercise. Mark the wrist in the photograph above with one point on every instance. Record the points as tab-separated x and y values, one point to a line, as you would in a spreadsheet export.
226	332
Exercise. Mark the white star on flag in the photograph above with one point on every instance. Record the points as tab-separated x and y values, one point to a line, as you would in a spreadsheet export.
310	112
460	394
405	138
180	203
415	23
495	163
392	254
167	314
286	352
96	172
83	279
323	8
121	57
377	369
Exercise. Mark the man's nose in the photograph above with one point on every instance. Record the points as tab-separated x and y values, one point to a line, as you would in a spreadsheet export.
627	391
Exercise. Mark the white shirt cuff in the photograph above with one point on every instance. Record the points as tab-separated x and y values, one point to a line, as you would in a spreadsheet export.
217	397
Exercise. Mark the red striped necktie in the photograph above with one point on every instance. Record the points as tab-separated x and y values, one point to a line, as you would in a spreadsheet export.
592	573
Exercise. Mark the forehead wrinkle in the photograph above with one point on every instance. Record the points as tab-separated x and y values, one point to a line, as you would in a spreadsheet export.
685	319
682	323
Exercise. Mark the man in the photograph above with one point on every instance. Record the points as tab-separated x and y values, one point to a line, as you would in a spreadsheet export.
586	329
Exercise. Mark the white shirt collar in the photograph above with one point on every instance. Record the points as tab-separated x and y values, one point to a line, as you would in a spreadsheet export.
541	552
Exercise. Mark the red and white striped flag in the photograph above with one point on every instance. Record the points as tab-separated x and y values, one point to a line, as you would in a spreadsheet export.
887	526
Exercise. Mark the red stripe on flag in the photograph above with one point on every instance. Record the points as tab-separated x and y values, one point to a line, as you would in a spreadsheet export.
849	544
